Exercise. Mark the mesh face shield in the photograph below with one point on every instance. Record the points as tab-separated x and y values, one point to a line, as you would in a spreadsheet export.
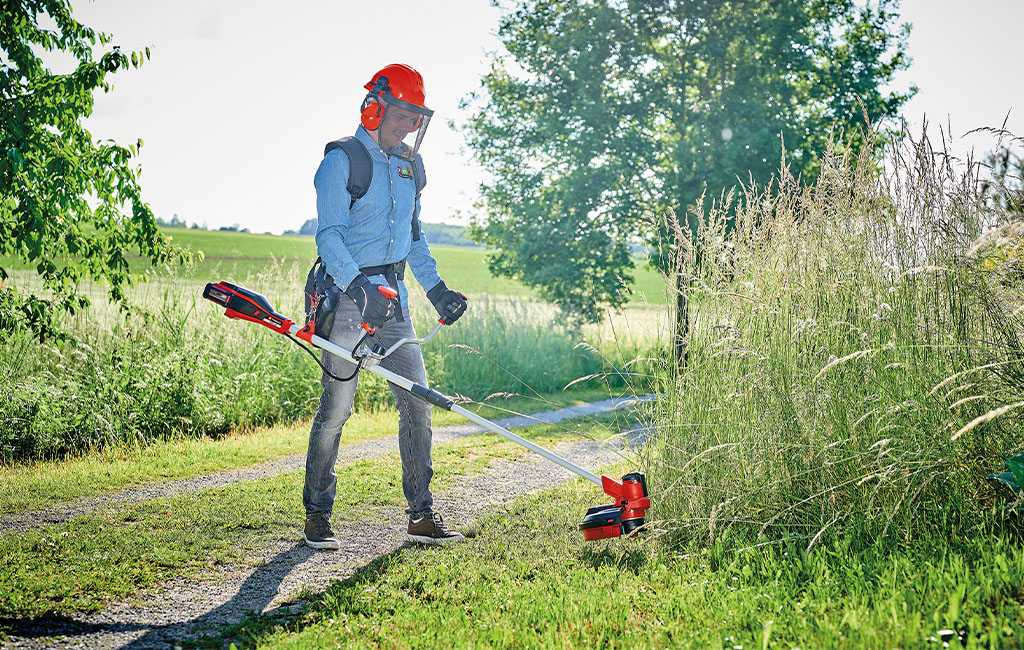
403	126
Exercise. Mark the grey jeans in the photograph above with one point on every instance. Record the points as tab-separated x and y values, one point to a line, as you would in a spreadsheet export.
414	433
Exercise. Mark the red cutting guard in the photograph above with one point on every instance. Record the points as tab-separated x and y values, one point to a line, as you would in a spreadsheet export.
629	496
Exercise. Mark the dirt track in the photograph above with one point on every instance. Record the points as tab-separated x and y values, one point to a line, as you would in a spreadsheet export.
184	607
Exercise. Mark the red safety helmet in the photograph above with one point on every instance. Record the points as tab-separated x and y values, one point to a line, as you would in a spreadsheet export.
397	85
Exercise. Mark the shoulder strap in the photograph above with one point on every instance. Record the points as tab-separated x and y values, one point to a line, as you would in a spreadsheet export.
360	166
419	177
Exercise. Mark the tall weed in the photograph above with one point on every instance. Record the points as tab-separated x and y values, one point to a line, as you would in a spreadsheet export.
848	334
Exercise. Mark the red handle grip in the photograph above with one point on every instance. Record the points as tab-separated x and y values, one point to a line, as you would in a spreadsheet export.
387	292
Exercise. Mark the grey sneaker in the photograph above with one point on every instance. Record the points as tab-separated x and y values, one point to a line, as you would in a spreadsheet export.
318	533
431	530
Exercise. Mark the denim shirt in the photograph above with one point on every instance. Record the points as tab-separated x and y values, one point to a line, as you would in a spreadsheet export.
378	228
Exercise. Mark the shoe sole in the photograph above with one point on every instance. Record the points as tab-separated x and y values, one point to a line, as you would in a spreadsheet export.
434	541
331	545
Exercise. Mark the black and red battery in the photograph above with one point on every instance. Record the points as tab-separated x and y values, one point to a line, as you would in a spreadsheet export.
625	515
243	304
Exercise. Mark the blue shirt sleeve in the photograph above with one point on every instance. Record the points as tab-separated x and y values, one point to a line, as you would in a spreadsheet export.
333	218
422	263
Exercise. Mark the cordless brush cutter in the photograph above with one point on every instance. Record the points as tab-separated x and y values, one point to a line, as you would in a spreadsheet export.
624	516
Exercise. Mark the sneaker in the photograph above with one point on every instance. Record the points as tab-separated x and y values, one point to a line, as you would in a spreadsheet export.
318	533
431	530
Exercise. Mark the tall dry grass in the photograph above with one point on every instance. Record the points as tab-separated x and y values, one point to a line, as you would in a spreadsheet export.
857	362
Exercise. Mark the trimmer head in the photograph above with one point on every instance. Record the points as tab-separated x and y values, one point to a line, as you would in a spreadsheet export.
625	515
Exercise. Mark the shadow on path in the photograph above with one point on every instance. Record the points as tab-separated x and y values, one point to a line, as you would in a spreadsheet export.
253	595
250	631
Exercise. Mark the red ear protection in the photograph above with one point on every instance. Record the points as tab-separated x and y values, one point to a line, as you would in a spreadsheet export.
371	112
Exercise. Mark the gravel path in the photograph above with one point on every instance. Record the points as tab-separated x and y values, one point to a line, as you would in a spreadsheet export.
363	450
183	608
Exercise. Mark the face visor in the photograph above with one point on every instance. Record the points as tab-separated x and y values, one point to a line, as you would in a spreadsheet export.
402	126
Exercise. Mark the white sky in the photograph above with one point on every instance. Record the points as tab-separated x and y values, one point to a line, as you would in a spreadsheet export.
968	66
240	97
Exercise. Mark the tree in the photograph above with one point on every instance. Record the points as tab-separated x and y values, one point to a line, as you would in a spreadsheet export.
70	207
1004	190
607	116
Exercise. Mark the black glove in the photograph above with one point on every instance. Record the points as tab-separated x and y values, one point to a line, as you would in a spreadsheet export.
374	307
449	304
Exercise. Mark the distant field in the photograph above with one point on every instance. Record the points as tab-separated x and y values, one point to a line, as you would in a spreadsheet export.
239	256
234	255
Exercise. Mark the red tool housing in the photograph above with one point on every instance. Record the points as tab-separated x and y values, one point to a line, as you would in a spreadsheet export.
625	515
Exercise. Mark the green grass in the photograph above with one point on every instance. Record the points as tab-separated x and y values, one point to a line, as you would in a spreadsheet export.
239	256
38	485
174	367
177	367
528	580
83	564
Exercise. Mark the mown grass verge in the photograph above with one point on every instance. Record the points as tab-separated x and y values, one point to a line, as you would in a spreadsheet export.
37	485
528	580
85	563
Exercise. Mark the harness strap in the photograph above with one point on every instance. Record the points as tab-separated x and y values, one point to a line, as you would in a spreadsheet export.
420	180
360	172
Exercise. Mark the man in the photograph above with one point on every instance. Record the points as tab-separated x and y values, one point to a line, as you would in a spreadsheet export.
365	242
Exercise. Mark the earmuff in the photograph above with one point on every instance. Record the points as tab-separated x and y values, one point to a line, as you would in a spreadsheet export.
371	112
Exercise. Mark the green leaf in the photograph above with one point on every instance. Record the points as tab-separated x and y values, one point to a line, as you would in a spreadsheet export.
606	117
1006	478
79	226
1016	467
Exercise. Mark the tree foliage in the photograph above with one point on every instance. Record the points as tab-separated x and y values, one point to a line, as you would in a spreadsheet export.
69	206
1005	188
605	116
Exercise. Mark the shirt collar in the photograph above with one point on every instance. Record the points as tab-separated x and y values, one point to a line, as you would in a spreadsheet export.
372	147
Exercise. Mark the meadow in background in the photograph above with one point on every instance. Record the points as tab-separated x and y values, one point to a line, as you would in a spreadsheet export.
176	367
817	468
